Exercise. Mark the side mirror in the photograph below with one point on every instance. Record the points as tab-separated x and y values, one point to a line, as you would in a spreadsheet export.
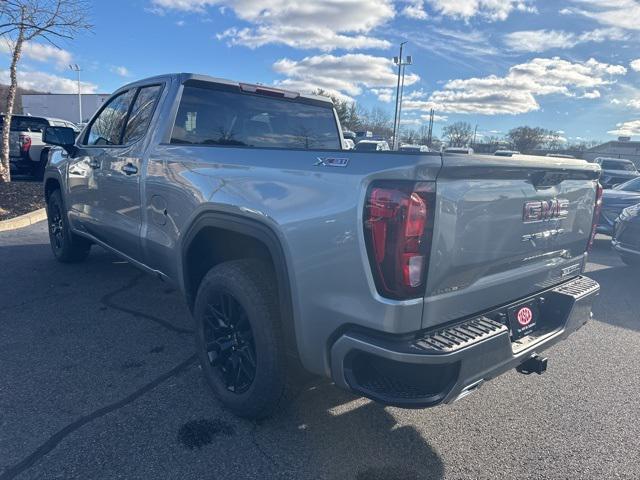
64	137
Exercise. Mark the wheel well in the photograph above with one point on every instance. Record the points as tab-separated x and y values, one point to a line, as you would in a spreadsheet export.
50	186
212	246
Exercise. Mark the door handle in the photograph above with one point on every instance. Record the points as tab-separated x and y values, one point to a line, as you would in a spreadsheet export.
130	169
93	163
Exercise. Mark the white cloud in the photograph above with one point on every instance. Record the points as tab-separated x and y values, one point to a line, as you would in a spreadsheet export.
592	94
452	45
41	52
299	37
384	94
616	13
322	24
492	10
346	75
634	103
415	9
626	129
517	92
436	118
120	70
538	40
416	122
543	40
45	82
635	64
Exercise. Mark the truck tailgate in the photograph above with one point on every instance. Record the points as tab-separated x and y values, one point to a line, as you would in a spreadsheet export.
504	229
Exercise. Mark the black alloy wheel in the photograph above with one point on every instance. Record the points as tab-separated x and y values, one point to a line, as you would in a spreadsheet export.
229	343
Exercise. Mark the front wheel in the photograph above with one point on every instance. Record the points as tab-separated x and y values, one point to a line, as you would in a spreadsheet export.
66	246
239	339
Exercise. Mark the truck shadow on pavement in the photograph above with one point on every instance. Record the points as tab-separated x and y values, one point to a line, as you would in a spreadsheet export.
339	435
322	432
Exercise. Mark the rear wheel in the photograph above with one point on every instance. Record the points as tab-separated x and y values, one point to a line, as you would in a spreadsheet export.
66	246
238	337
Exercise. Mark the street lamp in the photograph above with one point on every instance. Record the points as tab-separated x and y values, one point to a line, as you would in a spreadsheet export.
77	69
402	63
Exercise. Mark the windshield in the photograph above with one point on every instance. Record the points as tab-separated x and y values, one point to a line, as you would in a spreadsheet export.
618	165
630	186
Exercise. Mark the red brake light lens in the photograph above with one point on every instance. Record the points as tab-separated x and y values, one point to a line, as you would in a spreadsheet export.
25	143
596	216
398	224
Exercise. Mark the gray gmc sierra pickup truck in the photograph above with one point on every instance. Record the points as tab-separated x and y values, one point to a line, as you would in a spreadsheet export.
408	278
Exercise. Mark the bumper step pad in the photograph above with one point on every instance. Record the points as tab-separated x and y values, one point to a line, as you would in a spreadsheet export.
578	288
458	336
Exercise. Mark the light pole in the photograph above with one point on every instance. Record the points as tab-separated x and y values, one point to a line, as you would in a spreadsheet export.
399	90
77	69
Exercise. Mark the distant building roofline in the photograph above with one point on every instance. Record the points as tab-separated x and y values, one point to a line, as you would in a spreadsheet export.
630	143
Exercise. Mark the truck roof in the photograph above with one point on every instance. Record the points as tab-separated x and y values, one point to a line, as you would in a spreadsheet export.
186	76
21	115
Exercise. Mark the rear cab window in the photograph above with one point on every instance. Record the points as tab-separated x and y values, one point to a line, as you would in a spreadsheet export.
26	124
617	165
229	117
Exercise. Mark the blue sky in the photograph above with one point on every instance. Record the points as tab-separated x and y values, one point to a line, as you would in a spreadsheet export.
572	66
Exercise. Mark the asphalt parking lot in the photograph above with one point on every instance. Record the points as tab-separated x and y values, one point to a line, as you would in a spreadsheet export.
97	380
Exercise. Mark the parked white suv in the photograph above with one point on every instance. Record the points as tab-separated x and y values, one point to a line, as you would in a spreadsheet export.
27	152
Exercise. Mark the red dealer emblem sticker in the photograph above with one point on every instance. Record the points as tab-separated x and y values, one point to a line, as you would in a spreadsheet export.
524	316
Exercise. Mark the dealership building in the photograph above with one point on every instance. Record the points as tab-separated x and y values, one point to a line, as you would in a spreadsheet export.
624	147
62	105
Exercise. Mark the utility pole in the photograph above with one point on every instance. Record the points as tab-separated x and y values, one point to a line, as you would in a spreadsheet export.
430	134
474	136
77	69
399	89
408	62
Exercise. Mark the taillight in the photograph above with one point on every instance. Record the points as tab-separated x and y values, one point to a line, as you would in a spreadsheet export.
398	227
25	143
596	216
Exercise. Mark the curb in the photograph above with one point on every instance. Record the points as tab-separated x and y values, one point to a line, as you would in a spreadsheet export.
23	220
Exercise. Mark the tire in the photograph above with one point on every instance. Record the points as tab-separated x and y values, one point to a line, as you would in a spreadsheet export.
630	260
66	246
239	339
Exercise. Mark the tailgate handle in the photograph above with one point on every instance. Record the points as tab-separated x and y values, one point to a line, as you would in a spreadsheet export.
129	169
547	179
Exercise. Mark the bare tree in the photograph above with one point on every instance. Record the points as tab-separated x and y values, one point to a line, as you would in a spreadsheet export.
525	139
27	20
458	134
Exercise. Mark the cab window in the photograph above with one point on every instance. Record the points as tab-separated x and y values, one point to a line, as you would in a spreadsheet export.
107	128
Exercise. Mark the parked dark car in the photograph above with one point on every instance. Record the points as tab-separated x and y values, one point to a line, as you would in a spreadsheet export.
626	239
615	200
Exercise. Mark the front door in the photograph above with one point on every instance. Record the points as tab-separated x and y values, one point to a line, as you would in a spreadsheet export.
113	151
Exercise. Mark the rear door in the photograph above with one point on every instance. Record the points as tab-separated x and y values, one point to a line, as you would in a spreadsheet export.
506	228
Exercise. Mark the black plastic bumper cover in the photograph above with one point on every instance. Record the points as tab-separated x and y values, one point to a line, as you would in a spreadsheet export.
442	365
